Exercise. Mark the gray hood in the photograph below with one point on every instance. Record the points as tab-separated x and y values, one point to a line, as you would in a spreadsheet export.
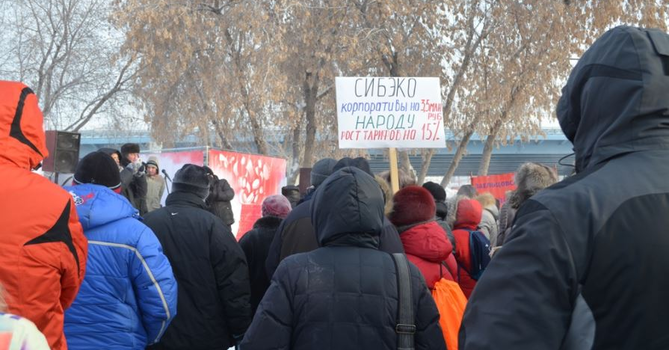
616	100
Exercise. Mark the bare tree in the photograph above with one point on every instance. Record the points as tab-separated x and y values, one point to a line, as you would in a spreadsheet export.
67	51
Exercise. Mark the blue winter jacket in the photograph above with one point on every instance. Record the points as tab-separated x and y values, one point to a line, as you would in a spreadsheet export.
129	294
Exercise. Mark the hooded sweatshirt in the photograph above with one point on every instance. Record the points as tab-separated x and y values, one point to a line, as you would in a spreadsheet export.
584	264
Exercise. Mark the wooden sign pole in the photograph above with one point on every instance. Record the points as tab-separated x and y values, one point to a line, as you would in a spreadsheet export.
394	173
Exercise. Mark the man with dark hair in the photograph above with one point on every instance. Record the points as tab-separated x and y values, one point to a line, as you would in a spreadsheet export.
133	177
585	265
43	247
213	307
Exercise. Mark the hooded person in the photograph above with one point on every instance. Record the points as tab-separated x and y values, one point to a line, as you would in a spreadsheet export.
467	219
43	260
155	184
584	264
343	295
209	266
256	242
124	258
133	177
425	241
296	233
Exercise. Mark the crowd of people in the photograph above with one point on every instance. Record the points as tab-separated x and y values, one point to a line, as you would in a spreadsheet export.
571	264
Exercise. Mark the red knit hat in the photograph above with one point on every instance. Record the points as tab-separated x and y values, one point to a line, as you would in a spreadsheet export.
411	205
276	205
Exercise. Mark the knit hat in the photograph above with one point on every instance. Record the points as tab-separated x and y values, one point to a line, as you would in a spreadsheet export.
438	192
193	179
321	170
130	148
276	205
153	161
411	205
98	168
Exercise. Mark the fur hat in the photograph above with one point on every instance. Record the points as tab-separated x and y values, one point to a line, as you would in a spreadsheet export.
321	170
404	178
531	178
193	179
129	148
276	205
436	190
411	205
98	168
387	194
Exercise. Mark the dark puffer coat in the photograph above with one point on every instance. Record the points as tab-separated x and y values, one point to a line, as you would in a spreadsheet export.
343	295
211	272
296	235
585	264
255	244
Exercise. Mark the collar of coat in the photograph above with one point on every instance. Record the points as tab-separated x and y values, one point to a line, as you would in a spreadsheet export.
185	199
268	222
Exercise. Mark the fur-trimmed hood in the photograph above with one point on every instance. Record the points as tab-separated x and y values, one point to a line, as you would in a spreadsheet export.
531	178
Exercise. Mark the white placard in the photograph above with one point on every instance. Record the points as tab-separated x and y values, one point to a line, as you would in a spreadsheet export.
378	112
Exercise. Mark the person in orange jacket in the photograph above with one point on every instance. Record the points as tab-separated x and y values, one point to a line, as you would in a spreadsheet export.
43	248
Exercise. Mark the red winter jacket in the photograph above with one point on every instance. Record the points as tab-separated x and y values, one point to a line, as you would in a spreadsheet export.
467	217
427	246
43	247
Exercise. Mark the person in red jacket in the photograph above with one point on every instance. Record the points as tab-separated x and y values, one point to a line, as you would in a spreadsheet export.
467	218
43	248
425	241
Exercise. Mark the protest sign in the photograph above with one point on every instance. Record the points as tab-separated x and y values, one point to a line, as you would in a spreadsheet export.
377	112
497	185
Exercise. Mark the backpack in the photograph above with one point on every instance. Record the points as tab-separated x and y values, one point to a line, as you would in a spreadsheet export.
479	249
451	303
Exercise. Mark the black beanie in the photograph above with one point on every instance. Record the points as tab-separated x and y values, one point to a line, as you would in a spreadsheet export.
98	168
193	179
436	190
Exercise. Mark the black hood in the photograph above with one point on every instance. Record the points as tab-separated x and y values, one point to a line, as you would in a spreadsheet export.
616	100
348	203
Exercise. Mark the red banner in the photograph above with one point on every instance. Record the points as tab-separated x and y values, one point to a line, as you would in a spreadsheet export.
497	185
253	178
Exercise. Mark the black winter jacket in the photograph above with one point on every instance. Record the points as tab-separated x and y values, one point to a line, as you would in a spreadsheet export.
134	187
296	235
220	195
210	268
255	244
585	263
343	295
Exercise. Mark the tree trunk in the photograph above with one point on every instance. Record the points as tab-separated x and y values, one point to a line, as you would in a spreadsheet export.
427	160
294	167
488	148
457	157
310	99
